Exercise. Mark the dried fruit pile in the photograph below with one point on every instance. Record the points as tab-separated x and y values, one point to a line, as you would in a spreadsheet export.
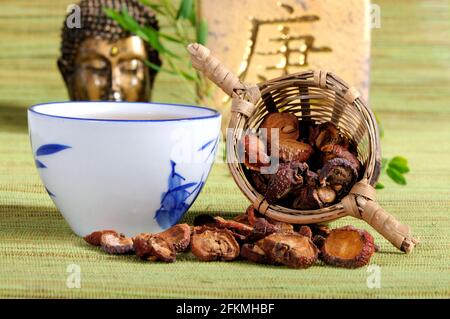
249	236
317	167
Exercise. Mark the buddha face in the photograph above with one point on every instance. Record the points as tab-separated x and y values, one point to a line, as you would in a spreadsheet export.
110	70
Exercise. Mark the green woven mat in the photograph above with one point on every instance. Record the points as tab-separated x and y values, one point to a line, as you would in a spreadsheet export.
410	89
36	245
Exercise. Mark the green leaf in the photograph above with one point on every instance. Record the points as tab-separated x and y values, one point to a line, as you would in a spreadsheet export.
396	176
168	5
400	164
187	76
159	68
125	20
115	16
185	9
193	15
155	7
110	12
151	36
148	34
180	72
400	160
132	24
400	168
169	37
202	32
379	186
173	66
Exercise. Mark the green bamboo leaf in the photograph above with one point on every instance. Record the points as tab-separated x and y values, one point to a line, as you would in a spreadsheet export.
193	16
152	37
170	38
168	5
111	13
187	76
202	32
171	54
132	24
148	34
400	164
396	176
172	65
159	68
379	186
155	7
185	9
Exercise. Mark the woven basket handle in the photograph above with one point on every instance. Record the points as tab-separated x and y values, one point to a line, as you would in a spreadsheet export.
398	234
205	62
361	203
244	95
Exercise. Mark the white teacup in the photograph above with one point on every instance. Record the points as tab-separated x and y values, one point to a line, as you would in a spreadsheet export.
132	167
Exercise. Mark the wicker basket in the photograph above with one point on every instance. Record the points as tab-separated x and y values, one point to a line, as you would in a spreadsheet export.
314	97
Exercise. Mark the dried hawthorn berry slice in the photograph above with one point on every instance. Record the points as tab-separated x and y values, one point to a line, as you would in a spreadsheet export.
288	177
141	247
179	235
292	250
116	244
286	123
307	198
348	247
338	171
262	228
209	244
259	181
320	229
305	231
251	215
312	179
204	219
318	240
291	150
95	237
240	230
253	253
161	249
331	151
255	154
282	227
242	218
325	133
234	226
327	195
153	247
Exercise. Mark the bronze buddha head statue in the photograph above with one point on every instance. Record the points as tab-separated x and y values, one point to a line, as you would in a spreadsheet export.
102	61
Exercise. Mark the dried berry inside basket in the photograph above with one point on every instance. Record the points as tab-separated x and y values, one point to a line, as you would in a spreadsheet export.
319	168
314	166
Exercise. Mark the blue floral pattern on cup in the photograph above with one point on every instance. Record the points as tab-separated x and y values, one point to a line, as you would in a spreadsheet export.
174	201
48	149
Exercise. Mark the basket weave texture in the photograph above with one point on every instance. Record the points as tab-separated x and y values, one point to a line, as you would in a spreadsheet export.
314	97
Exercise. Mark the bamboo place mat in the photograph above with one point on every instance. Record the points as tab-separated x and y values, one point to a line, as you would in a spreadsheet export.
410	92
